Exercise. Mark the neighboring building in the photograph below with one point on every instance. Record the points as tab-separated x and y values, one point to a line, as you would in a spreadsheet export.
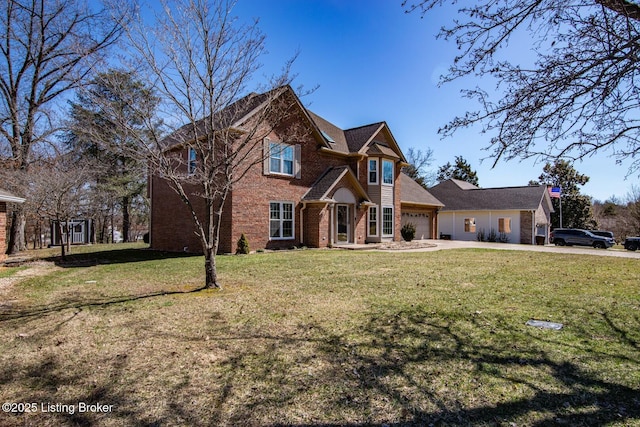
77	231
518	214
330	187
5	197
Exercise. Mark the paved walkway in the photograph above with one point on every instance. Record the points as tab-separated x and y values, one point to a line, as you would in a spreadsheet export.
436	245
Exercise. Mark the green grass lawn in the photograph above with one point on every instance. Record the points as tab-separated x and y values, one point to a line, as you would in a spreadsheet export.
325	337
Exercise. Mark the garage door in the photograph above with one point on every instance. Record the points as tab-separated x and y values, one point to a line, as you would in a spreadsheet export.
421	221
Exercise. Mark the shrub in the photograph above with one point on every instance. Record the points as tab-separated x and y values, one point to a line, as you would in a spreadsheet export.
480	235
408	231
243	245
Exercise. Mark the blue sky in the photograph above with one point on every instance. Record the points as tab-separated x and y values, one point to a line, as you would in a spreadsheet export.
372	62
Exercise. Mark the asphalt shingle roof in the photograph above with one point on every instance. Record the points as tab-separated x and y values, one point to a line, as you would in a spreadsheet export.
227	117
456	198
412	192
326	181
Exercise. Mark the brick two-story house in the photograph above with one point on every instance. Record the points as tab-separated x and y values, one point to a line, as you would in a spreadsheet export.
329	187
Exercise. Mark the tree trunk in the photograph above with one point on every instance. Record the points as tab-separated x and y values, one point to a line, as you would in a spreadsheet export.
69	231
126	224
16	233
211	272
60	233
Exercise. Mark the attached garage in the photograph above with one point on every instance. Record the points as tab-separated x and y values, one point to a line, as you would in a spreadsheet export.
419	207
422	222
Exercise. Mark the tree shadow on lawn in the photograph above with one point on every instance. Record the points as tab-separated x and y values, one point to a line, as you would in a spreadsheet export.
383	370
392	370
36	311
585	399
115	256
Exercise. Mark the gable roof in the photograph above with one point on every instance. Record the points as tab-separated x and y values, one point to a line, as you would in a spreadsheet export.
414	193
233	115
5	196
357	140
319	191
461	197
354	141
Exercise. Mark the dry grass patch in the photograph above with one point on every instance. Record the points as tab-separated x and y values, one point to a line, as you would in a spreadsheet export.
328	337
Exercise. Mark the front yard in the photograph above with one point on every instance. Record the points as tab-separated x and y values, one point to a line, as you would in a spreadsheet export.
322	337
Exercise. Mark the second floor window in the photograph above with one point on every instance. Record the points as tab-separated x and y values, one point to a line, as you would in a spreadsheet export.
373	171
281	158
387	172
192	161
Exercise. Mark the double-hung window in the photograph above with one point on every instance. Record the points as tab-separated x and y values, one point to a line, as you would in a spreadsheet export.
281	158
387	172
281	220
387	221
373	171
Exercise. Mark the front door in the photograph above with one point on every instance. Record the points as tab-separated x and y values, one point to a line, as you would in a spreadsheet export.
342	226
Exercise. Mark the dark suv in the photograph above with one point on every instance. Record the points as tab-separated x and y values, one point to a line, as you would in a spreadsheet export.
574	236
632	243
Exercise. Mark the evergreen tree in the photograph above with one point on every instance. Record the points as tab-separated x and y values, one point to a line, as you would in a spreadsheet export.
576	207
108	120
460	170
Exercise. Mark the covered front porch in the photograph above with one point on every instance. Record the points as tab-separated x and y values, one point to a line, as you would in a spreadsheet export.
334	211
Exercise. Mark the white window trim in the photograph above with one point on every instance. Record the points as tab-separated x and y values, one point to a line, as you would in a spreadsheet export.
281	148
393	220
392	172
376	171
293	220
377	221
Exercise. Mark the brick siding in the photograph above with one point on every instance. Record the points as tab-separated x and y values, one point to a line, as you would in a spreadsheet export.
247	207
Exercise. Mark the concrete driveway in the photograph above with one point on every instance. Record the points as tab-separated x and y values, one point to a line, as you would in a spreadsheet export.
437	245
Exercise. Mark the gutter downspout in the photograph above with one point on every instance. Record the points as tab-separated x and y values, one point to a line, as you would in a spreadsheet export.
330	207
304	206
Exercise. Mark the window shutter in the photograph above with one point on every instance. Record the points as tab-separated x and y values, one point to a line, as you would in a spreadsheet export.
297	164
265	156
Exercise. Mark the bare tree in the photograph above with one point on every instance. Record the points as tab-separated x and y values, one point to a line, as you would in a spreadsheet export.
201	61
418	169
59	192
633	209
580	95
47	47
